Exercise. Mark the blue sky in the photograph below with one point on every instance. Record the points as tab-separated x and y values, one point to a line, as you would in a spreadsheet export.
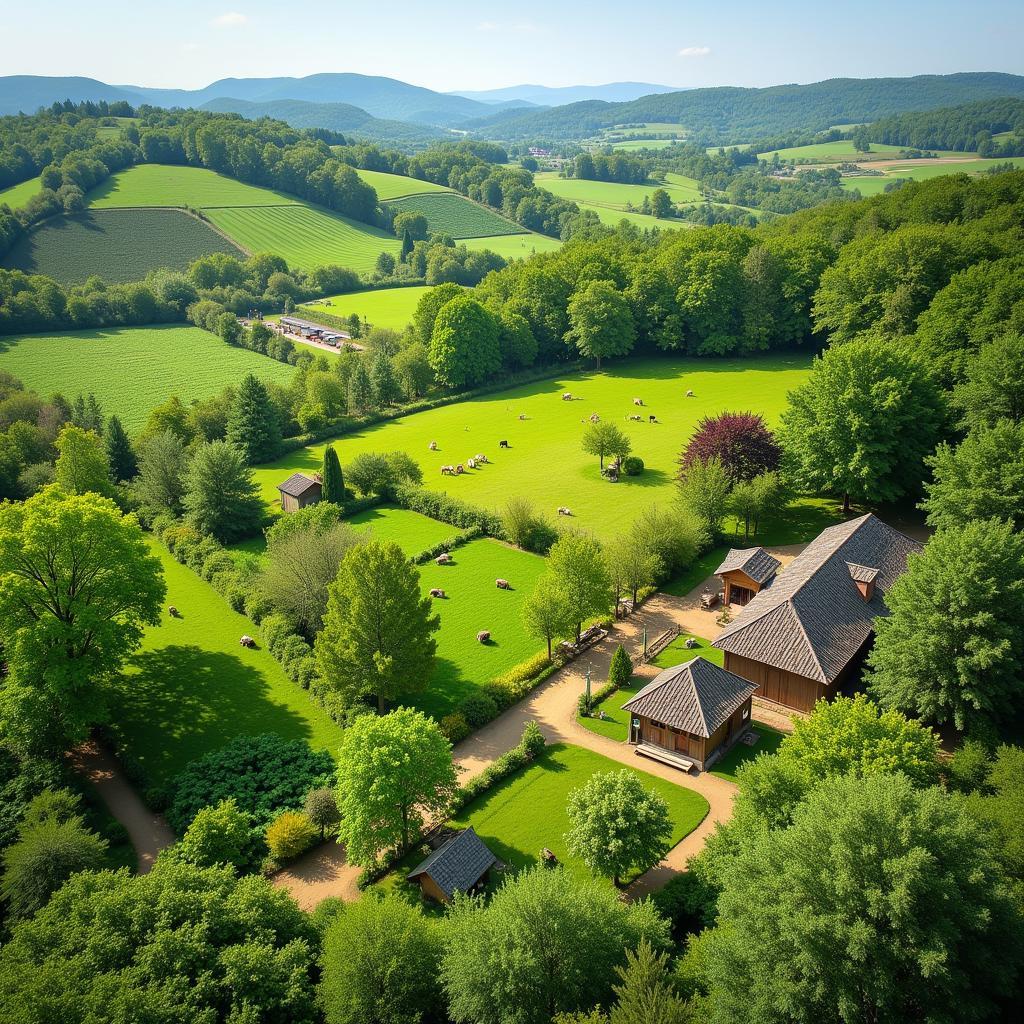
442	45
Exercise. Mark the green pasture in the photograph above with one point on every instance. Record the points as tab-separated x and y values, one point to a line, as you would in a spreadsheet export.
306	236
474	603
544	460
133	369
921	170
451	214
393	186
386	307
192	687
832	152
614	195
167	185
615	723
411	531
118	245
634	144
513	247
526	812
18	195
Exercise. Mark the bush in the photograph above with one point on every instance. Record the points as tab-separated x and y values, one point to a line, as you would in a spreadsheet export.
455	727
530	747
220	835
478	709
689	902
527	528
262	773
632	465
321	808
510	687
448	510
968	767
290	834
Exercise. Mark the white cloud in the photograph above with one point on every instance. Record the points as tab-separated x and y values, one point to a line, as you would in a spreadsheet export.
232	19
695	51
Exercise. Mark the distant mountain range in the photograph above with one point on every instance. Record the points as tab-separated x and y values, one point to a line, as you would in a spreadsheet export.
546	96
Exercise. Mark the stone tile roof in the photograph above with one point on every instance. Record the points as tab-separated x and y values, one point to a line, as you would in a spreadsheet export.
297	484
696	697
812	619
755	562
457	865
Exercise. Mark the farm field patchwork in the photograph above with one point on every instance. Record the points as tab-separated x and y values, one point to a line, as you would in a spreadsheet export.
118	245
393	186
526	812
305	236
192	687
474	603
921	170
18	195
133	369
167	185
513	247
455	215
386	307
544	460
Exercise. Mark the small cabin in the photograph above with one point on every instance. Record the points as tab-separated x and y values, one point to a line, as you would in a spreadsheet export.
744	573
298	491
689	715
459	865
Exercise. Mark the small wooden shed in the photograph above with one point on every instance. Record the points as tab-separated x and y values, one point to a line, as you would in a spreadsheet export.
745	572
298	491
459	865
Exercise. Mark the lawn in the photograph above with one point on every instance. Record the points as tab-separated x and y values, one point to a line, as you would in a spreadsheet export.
306	236
768	743
166	185
615	721
412	532
544	460
513	247
386	307
133	369
192	687
526	812
393	186
474	603
18	195
455	215
118	245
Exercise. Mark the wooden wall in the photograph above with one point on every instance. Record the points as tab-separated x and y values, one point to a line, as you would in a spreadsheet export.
786	688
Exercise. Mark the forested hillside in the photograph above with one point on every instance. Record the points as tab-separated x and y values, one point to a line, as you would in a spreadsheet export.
970	128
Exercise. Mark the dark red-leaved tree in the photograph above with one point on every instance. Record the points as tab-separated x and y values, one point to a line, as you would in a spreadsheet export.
740	439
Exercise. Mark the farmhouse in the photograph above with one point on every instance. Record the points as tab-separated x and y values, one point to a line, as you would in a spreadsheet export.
298	491
690	715
745	572
804	634
457	866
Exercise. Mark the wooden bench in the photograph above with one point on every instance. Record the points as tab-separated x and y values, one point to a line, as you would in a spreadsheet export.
669	757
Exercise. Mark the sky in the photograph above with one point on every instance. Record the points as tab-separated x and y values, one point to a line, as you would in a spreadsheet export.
450	46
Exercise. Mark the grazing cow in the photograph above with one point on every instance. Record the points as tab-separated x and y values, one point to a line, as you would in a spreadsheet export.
436	592
247	641
447	470
566	396
459	469
443	559
172	611
689	394
563	511
432	446
638	401
594	418
502	584
471	463
481	459
484	636
503	444
652	418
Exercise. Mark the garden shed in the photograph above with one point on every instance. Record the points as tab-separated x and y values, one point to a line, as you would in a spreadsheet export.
298	491
459	865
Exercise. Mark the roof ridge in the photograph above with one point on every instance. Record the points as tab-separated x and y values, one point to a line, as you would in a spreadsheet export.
810	646
696	693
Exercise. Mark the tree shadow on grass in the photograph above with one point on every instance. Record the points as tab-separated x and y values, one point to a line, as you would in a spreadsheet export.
180	702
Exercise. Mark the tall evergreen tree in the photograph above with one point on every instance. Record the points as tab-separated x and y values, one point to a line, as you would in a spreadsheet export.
123	464
386	389
360	389
253	426
332	481
406	245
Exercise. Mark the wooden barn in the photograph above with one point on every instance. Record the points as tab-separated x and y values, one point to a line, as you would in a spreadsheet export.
298	491
689	715
744	573
805	634
460	865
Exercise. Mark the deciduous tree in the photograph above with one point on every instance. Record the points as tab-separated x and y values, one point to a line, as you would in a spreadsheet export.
221	496
600	322
160	486
546	613
604	440
82	464
577	568
704	493
740	440
464	344
994	384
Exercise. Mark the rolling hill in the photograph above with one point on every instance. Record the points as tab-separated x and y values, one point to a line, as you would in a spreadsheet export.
546	96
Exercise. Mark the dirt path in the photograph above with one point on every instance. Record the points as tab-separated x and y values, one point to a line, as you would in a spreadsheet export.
148	832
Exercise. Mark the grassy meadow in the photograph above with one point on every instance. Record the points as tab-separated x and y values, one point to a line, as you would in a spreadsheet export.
306	236
921	170
452	214
614	195
192	687
18	195
166	185
394	186
118	245
833	152
133	369
386	307
544	460
513	247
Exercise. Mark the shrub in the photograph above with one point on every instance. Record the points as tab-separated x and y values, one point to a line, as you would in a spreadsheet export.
525	527
321	808
455	727
510	687
478	709
263	773
257	607
448	509
290	834
530	747
689	902
632	465
219	835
